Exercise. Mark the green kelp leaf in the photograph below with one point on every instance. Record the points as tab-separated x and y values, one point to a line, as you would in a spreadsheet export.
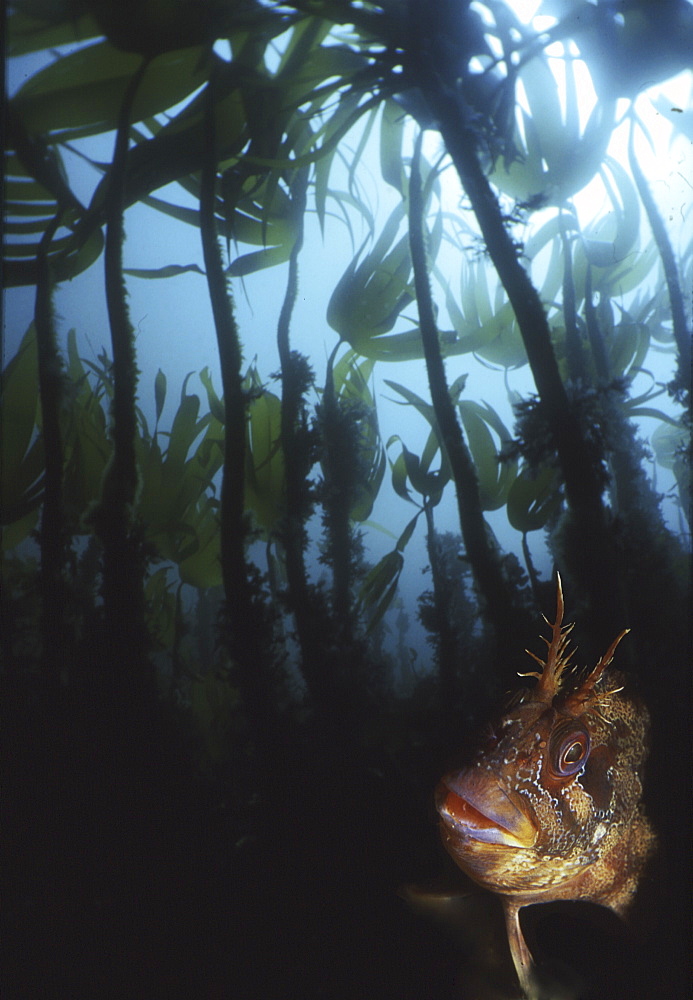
350	379
541	90
617	276
650	411
27	34
671	445
88	450
306	66
323	169
361	147
155	507
627	347
259	212
668	443
169	271
264	467
35	171
25	228
398	469
216	406
609	239
391	136
68	257
372	292
184	430
628	273
430	452
532	500
21	445
304	43
555	161
494	476
258	260
582	162
425	409
488	330
393	347
505	348
175	152
266	219
380	585
571	130
202	568
176	484
428	484
82	93
180	213
467	336
522	179
174	481
209	455
540	238
159	393
87	443
432	448
346	204
351	375
405	537
626	205
20	406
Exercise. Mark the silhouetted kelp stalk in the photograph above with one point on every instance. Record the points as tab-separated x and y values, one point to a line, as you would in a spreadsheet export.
246	635
600	358
53	533
297	442
681	384
480	552
443	631
463	137
114	517
573	344
340	459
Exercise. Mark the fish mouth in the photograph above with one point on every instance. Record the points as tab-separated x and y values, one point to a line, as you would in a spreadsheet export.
473	806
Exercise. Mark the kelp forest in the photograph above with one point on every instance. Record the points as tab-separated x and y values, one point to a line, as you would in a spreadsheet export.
255	607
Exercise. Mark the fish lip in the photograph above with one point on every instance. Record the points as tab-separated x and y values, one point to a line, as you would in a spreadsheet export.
475	807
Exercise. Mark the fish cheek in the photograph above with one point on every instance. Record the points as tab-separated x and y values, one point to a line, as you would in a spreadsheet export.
596	780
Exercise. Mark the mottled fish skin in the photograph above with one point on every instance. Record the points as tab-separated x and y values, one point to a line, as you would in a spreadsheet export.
550	807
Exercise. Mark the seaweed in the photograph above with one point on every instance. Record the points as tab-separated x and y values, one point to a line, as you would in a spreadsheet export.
217	689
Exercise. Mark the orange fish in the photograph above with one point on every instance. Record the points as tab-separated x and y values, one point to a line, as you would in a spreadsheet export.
550	808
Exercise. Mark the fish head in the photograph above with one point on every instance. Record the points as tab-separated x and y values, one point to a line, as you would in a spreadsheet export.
554	786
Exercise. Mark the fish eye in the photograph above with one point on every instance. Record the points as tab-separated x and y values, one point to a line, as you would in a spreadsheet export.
574	753
568	750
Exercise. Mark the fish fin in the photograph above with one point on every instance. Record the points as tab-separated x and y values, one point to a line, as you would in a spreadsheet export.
521	955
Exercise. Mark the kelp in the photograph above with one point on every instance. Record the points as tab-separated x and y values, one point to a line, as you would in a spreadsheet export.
483	557
229	563
129	674
258	141
245	627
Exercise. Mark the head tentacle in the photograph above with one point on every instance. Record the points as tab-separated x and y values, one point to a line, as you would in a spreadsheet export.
578	699
558	656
